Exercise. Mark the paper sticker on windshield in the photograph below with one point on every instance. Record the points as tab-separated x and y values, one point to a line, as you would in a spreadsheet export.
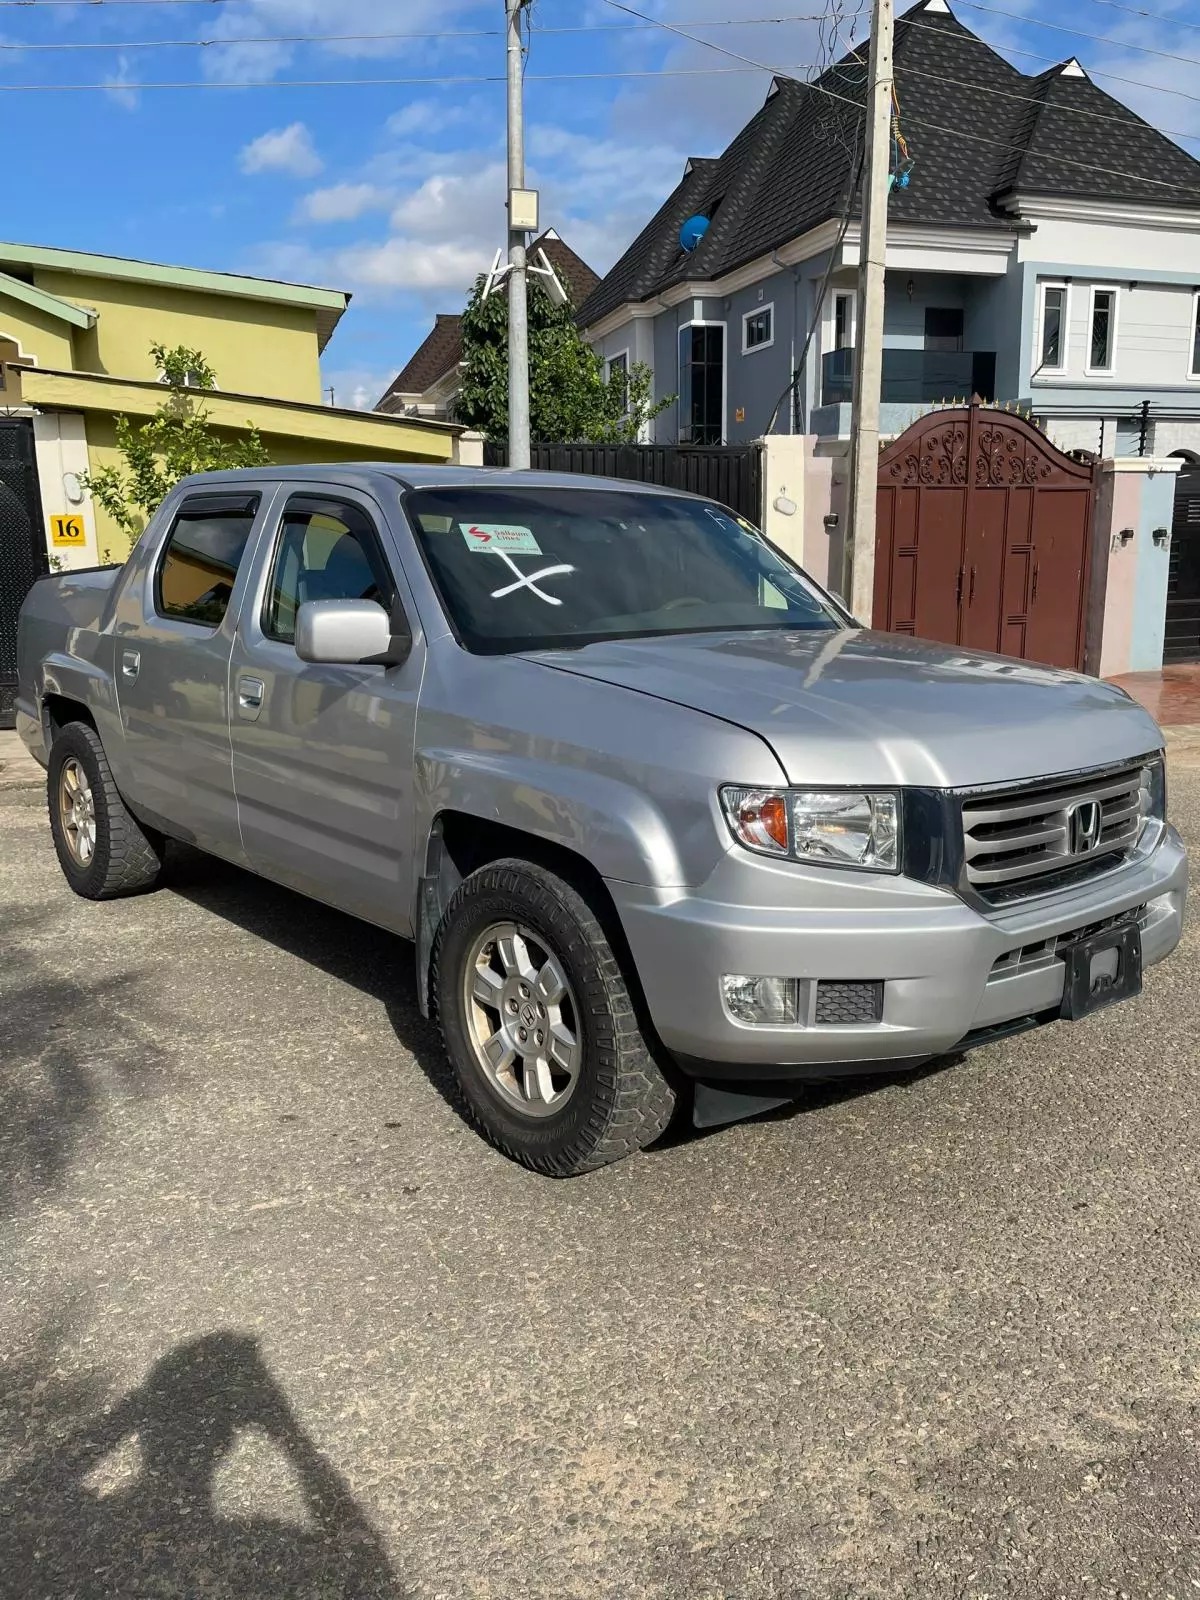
506	537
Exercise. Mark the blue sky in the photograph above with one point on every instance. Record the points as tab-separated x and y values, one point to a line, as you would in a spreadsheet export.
396	191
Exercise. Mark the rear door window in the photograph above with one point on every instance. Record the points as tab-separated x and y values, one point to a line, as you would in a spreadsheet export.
203	556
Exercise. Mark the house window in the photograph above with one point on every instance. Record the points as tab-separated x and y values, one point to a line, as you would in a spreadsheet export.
943	328
1195	367
1053	352
843	321
758	329
702	383
617	369
1102	330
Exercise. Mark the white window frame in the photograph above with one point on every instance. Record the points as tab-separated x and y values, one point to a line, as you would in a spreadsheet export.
1045	370
616	356
830	330
1110	370
757	311
704	322
1193	372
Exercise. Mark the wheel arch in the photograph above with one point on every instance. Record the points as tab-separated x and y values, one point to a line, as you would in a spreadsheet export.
460	843
60	709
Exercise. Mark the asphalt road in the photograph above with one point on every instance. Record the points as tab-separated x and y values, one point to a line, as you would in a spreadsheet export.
274	1323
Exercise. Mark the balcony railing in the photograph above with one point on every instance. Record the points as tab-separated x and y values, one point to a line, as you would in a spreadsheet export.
913	377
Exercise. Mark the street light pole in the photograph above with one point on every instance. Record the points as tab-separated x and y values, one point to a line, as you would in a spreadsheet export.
858	559
518	304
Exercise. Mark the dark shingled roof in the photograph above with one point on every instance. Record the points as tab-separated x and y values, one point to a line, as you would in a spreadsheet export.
976	126
576	277
441	350
1068	128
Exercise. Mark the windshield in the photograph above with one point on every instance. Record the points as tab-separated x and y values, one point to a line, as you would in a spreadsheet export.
537	568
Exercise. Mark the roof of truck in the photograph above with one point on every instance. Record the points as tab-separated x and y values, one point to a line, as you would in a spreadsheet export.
416	475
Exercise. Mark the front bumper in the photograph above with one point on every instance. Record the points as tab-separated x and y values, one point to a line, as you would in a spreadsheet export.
948	970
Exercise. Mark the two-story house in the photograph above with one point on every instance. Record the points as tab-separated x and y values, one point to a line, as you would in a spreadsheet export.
1045	251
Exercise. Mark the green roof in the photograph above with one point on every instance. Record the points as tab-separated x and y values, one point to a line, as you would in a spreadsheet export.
50	304
328	304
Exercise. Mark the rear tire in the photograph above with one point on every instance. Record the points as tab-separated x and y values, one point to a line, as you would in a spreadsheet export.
103	849
521	958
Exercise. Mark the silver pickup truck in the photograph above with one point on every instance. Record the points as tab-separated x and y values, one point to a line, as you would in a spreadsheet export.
659	817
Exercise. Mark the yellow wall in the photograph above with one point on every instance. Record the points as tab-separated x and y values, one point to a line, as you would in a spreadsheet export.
102	452
254	346
45	338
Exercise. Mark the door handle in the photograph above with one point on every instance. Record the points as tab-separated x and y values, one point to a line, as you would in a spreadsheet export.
1033	596
250	693
971	591
131	661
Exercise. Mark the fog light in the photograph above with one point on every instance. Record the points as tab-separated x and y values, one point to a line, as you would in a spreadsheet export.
761	1001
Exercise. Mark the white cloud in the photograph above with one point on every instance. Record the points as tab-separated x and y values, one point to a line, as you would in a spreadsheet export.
456	204
402	264
357	387
340	202
424	116
117	84
236	57
287	149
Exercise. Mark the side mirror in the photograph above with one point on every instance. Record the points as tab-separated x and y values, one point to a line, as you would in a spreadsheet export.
348	632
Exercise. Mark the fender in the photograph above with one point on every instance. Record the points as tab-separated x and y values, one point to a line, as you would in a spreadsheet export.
607	825
86	681
619	829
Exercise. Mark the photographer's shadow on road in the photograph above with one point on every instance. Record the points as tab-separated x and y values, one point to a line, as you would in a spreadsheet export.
158	1531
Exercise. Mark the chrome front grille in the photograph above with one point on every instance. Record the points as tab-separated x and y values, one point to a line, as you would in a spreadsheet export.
1028	841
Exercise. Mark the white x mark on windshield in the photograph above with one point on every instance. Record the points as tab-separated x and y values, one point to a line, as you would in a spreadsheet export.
528	580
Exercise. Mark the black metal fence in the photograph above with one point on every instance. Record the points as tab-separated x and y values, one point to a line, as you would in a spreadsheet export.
731	474
22	546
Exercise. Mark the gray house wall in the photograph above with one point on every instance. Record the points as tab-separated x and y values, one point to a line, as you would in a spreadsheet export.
993	322
1000	313
904	314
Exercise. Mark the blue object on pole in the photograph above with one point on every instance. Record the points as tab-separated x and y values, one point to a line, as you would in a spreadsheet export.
692	232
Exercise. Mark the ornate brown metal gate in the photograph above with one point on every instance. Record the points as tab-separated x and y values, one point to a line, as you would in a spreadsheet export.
984	537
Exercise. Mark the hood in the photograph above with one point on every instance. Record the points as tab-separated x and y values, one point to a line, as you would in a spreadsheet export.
857	707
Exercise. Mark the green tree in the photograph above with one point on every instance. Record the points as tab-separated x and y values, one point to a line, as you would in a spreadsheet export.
178	439
569	400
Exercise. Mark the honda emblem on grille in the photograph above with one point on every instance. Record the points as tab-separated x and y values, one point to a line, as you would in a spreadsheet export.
1085	820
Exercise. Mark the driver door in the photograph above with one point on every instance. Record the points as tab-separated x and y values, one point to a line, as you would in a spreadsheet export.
322	754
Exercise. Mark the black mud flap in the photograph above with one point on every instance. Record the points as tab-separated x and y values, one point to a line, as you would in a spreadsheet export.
715	1108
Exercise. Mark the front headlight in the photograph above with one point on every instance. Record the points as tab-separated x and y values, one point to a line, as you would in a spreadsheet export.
827	827
1152	791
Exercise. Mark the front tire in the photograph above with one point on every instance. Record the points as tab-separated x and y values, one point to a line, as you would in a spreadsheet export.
539	1026
102	848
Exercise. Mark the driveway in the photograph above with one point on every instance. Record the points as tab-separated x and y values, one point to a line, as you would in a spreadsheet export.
274	1323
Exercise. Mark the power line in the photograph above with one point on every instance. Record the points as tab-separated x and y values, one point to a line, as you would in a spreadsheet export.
1150	16
920	122
1080	33
350	83
1033	99
42	5
227	41
1056	61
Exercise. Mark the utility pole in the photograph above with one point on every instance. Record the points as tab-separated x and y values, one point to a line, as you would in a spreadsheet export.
518	303
858	555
